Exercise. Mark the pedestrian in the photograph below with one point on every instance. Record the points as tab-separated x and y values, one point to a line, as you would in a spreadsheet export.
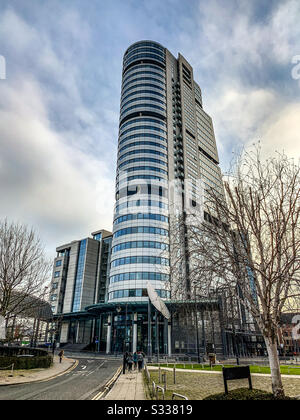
129	362
61	355
54	347
140	360
126	360
135	360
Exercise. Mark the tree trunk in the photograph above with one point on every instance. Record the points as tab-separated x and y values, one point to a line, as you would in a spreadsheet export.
277	386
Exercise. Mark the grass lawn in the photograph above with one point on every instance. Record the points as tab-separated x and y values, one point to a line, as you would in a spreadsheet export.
285	370
5	374
197	386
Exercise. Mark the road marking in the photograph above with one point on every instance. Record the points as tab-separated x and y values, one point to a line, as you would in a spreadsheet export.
108	385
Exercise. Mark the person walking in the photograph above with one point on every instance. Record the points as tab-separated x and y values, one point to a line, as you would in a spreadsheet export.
129	362
135	360
61	355
140	360
53	347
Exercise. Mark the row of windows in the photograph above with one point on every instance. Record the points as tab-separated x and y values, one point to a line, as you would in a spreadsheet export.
142	92
142	275
131	161
141	49
139	120
133	177
142	56
140	244
142	151
142	189
142	216
142	259
147	168
141	86
142	143
158	70
141	75
79	276
141	135
145	44
141	203
140	81
142	106
143	98
119	294
138	72
143	127
141	229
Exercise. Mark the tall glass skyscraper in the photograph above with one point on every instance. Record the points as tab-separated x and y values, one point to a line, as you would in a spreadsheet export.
164	136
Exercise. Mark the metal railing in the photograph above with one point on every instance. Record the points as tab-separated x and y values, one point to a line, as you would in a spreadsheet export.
161	389
182	397
10	368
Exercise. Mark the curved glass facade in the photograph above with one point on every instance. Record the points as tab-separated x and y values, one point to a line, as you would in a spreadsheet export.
141	224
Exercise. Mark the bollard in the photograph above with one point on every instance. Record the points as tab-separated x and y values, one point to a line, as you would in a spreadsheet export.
164	380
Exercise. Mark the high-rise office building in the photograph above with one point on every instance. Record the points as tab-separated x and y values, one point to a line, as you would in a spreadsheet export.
166	145
80	278
164	136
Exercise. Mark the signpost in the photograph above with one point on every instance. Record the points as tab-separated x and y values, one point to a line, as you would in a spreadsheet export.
231	374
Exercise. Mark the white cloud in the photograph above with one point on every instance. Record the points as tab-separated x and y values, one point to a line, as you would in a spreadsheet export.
49	177
44	181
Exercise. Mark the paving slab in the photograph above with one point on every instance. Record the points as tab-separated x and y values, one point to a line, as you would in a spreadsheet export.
128	387
36	375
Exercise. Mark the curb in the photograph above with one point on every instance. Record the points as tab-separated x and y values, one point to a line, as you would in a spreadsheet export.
75	364
108	386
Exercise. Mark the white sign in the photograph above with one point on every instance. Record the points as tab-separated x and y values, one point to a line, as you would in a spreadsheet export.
157	302
2	328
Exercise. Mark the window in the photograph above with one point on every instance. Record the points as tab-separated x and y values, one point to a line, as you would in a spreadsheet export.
119	294
57	274
140	260
143	275
58	263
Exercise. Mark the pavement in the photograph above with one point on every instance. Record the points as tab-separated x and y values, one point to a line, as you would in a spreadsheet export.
38	375
128	387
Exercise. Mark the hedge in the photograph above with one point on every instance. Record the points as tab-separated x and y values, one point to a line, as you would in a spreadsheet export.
38	362
20	358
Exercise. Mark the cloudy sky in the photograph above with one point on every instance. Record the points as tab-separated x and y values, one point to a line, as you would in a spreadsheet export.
59	104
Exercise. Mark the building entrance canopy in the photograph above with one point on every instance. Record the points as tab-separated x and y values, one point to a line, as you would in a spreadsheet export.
142	307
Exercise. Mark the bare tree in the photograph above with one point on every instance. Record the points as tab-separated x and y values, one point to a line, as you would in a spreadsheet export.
24	271
250	244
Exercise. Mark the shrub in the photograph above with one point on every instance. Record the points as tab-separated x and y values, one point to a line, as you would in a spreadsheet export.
244	394
38	362
19	357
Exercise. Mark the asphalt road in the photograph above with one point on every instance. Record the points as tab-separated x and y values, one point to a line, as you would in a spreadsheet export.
82	383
